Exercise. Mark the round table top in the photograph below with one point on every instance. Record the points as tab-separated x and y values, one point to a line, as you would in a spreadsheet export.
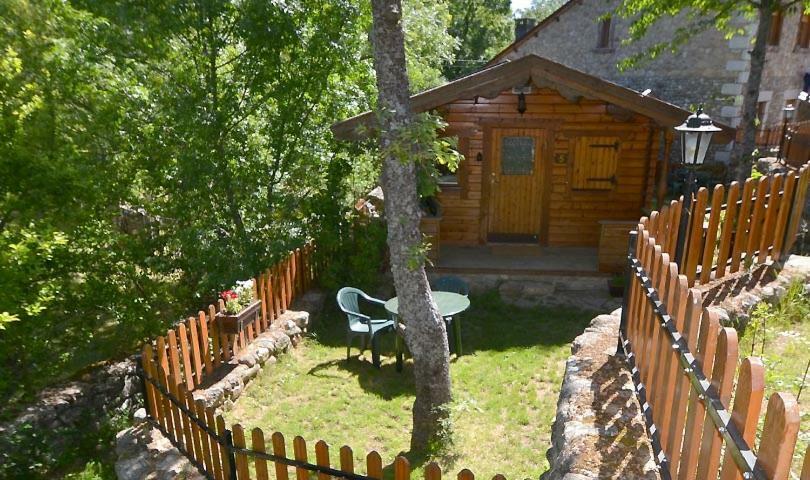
449	303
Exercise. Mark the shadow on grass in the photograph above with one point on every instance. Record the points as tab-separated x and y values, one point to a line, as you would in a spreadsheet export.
490	325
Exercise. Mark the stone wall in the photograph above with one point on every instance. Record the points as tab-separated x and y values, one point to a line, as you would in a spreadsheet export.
599	431
144	452
70	411
694	74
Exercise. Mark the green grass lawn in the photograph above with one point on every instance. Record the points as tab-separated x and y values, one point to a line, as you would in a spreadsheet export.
505	390
785	354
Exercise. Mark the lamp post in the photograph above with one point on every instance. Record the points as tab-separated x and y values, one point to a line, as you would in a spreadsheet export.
787	116
696	134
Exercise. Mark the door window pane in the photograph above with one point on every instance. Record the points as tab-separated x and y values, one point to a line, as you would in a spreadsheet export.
517	155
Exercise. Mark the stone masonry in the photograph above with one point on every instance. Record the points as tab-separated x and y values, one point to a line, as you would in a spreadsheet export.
144	453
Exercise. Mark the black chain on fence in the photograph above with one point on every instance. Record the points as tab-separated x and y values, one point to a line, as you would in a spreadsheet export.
226	441
736	446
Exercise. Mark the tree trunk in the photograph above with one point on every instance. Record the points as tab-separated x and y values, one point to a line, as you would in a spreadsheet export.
742	155
424	328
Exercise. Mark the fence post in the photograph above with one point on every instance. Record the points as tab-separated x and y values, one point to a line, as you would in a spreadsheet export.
231	456
142	374
628	276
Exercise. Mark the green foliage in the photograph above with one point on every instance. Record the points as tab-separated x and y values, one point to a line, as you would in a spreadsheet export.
26	454
482	29
152	153
540	9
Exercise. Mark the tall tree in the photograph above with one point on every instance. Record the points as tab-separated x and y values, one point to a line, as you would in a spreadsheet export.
482	28
540	9
721	14
424	329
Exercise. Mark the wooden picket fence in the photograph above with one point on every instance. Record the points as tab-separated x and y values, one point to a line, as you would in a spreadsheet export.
740	225
222	453
192	349
683	364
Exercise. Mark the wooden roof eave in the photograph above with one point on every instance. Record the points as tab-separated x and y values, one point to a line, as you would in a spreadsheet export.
490	82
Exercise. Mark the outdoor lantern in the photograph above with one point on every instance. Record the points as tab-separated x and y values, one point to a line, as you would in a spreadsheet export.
787	116
522	103
696	134
789	112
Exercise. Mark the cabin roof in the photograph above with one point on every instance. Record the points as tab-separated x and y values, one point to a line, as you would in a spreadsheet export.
493	80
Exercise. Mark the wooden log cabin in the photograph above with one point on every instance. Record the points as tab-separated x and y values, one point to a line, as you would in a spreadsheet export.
553	157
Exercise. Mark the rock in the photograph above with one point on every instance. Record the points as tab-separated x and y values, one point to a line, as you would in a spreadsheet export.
748	301
298	318
248	358
139	416
722	316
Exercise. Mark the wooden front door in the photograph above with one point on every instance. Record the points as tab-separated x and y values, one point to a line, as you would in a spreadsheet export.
516	184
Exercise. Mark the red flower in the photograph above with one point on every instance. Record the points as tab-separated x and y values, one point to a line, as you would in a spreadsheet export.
228	295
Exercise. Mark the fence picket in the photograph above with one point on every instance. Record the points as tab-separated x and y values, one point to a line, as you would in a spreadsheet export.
783	216
282	283
706	353
806	465
433	471
322	458
757	218
205	438
779	436
727	230
224	454
747	405
178	392
675	302
374	465
177	426
687	322
693	250
769	223
402	468
262	296
216	454
195	349
186	357
741	235
723	381
279	450
150	392
174	357
465	474
205	344
346	459
798	202
300	452
242	471
216	337
711	233
268	286
196	432
257	445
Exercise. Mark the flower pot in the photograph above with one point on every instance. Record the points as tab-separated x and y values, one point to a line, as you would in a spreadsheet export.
616	290
234	324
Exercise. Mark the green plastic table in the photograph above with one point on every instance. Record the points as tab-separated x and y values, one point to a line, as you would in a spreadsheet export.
449	305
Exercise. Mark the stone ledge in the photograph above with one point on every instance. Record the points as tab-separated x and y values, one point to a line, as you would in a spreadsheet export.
143	451
599	431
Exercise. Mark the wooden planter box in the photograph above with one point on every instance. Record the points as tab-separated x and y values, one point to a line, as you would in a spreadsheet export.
235	324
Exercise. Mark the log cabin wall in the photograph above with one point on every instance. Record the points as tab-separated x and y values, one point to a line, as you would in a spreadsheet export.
571	216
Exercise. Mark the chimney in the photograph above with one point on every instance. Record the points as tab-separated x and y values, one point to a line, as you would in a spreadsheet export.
522	27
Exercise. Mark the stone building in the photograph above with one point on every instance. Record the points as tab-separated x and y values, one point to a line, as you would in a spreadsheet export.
710	69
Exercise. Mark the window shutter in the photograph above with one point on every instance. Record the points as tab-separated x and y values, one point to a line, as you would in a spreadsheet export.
595	163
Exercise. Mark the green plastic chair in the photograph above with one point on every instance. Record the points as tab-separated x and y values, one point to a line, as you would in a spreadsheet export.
453	284
361	325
